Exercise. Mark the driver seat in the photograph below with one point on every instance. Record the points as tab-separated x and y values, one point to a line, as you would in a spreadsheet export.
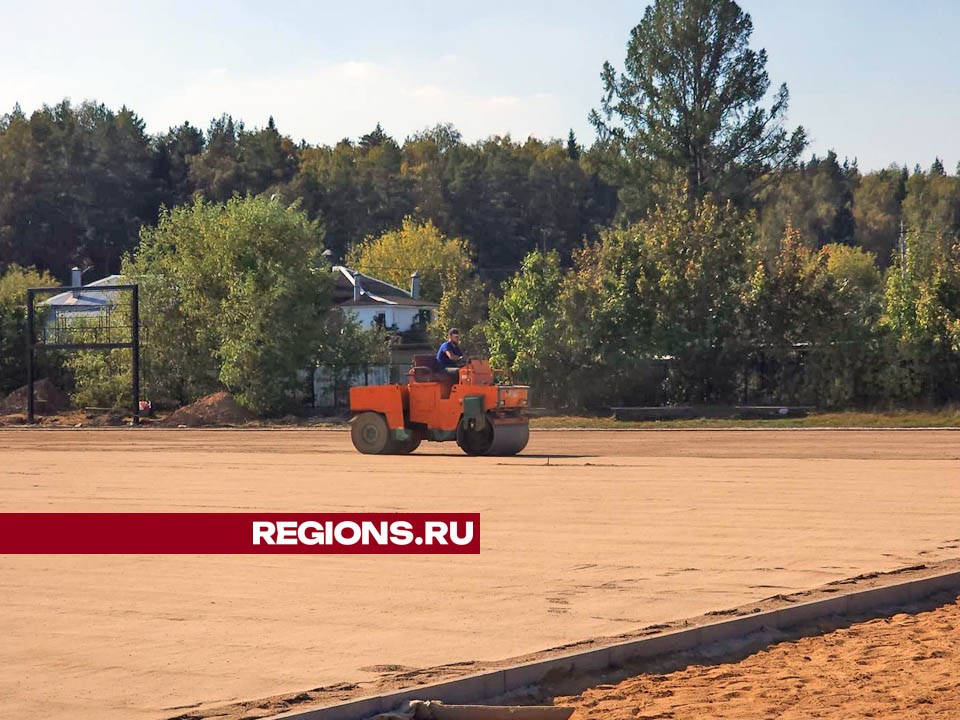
424	367
425	370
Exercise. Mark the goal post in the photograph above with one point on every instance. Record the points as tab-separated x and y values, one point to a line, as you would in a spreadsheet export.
78	327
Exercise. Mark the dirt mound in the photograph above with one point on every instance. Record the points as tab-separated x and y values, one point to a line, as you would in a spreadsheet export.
217	409
47	399
104	420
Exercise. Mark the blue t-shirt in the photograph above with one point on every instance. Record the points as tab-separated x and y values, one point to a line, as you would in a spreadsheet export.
442	360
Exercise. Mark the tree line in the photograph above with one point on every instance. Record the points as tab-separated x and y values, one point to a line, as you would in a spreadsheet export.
690	306
688	254
78	183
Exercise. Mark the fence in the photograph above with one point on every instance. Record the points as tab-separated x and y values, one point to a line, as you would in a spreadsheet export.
331	386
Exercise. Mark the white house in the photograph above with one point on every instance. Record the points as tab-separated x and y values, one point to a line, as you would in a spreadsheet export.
377	303
90	303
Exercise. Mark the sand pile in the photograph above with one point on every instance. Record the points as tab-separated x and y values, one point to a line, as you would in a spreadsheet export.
47	399
217	409
892	667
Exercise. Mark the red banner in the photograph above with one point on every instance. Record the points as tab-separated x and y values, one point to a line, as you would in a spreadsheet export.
239	533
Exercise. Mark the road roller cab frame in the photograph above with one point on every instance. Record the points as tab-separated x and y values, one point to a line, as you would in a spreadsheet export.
484	418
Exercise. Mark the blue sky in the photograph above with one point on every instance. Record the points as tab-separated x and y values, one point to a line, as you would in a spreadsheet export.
872	80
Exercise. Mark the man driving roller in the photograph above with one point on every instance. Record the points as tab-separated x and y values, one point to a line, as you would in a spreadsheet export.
449	356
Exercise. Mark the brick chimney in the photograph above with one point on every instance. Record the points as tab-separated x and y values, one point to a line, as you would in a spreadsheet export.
415	285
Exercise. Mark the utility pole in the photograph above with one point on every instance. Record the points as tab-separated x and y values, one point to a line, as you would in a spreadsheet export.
903	250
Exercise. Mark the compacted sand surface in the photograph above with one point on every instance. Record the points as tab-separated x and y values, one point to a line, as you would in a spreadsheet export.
586	534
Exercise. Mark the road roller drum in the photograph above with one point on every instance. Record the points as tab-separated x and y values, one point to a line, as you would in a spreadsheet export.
500	436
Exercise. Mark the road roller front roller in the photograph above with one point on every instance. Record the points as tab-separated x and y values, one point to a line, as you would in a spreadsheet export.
464	405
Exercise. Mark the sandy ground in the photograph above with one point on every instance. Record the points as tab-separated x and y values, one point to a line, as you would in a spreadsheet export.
587	534
904	666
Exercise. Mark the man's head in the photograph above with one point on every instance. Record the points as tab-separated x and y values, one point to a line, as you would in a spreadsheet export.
454	335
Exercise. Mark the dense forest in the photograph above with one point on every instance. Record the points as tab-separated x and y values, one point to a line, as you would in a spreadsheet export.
78	183
689	252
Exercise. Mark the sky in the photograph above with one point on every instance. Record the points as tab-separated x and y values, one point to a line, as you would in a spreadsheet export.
875	81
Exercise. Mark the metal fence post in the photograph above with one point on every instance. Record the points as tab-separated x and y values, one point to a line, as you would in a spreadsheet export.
135	350
30	356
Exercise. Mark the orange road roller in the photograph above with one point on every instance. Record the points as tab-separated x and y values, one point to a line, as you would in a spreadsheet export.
464	404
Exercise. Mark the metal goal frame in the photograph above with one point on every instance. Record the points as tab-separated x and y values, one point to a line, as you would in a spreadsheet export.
57	341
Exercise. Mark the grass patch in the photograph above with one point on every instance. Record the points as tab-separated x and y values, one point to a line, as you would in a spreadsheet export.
948	418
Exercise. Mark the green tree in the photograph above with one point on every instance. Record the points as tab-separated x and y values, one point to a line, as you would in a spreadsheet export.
650	313
447	274
815	200
490	195
785	296
563	209
345	346
216	173
415	247
932	203
268	160
548	330
431	161
814	325
232	296
877	201
358	190
574	151
101	378
13	325
848	364
689	102
507	198
922	313
523	328
787	300
173	154
75	186
231	160
690	283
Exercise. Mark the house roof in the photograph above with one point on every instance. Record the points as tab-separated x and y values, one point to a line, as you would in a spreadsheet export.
87	298
373	291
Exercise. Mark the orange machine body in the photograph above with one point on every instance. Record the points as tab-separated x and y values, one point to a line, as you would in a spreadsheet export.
443	406
438	405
